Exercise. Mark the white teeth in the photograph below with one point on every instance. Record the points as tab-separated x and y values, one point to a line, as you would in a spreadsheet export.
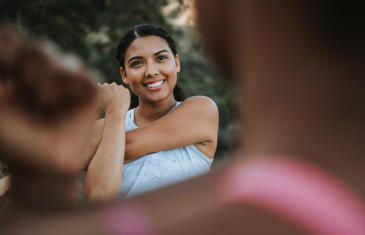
154	84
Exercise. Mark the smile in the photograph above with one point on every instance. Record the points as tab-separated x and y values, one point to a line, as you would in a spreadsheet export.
156	84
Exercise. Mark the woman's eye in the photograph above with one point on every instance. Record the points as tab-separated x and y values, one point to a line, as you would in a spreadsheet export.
136	63
161	58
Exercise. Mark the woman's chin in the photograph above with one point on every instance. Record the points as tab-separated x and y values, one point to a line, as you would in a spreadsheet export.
158	97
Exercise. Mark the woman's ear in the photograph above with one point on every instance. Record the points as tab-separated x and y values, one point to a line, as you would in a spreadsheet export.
123	75
177	62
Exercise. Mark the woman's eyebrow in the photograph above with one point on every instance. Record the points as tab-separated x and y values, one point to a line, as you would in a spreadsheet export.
160	52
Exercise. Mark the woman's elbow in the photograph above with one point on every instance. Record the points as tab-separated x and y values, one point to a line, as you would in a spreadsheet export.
103	193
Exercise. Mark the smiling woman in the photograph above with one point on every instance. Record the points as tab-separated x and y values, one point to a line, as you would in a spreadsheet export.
151	69
168	139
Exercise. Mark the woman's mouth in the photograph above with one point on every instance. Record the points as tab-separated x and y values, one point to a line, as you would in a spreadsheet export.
155	85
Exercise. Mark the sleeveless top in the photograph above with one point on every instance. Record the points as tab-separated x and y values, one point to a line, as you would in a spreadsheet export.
162	168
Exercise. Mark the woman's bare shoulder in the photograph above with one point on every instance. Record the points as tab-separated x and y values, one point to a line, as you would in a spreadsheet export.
200	104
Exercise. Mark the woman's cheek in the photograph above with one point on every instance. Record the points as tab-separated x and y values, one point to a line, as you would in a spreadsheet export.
136	76
169	68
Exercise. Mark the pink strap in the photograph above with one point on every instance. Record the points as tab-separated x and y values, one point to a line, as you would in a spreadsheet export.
126	218
300	193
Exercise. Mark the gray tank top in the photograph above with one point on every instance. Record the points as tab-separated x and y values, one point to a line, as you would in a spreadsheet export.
162	168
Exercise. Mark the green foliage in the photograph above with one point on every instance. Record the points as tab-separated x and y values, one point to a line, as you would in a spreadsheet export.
92	28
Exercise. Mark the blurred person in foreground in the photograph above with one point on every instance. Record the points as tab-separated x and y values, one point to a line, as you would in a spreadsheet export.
300	169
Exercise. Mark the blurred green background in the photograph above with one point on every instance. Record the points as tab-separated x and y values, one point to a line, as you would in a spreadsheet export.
92	28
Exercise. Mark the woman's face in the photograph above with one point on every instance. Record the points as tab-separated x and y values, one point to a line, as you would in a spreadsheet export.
150	69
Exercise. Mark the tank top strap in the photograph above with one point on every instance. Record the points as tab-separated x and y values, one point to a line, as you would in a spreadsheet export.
177	104
129	120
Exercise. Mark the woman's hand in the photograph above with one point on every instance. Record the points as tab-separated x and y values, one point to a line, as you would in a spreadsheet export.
114	98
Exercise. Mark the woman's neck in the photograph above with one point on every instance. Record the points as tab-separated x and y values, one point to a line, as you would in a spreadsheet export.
147	112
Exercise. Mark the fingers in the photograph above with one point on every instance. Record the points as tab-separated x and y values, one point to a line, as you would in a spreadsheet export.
113	88
114	97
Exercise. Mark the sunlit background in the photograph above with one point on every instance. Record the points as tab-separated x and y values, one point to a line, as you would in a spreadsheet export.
91	29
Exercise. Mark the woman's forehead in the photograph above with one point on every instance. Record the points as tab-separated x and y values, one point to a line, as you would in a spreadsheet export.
147	45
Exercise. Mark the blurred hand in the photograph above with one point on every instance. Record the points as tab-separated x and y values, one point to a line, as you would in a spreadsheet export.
48	106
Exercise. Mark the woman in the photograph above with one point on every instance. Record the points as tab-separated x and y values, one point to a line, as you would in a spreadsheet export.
176	138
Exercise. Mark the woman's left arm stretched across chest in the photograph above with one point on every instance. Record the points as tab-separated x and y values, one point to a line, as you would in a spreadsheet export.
195	121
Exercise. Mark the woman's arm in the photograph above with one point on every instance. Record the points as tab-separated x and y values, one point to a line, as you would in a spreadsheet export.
195	121
104	173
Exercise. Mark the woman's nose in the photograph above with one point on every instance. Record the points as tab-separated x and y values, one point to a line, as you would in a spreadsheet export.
151	70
